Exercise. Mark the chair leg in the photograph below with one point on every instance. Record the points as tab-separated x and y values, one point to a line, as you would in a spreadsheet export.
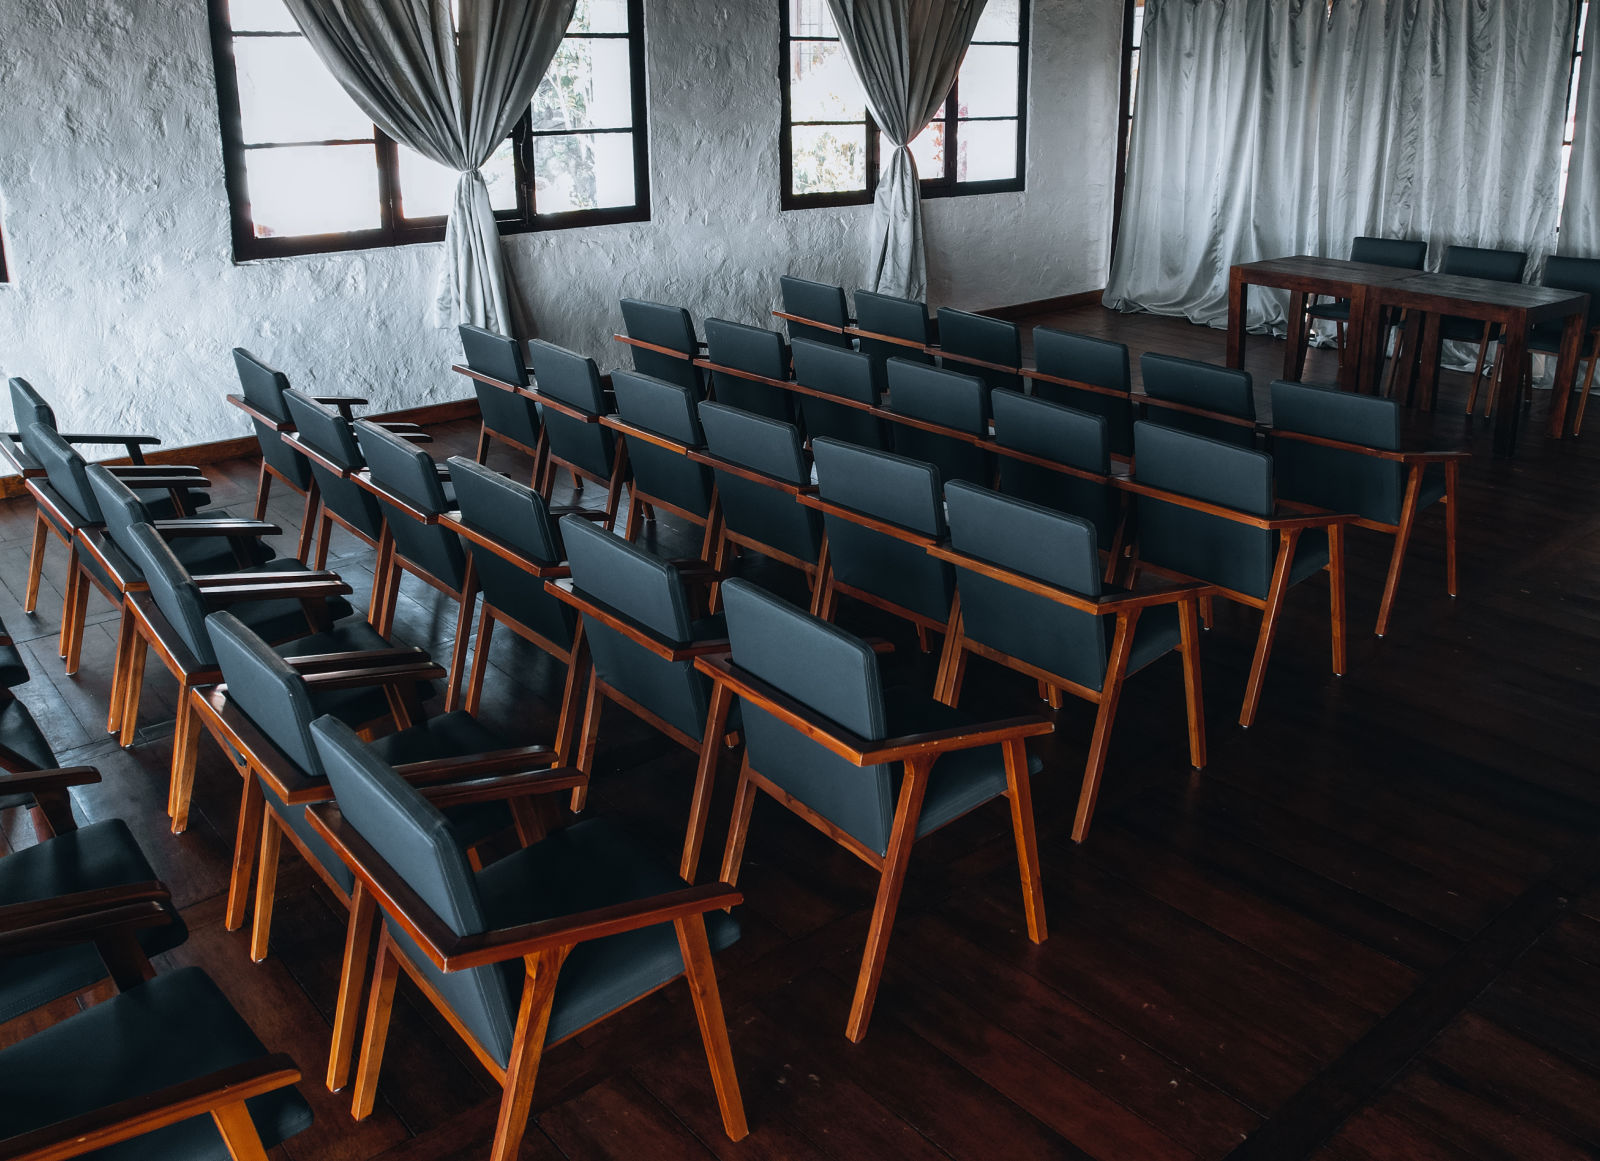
119	668
1588	385
266	888
1402	540
458	657
635	518
1194	705
380	1006
744	804
263	491
1336	615
1452	476
324	541
1269	627
1019	790
913	787
482	454
705	780
185	737
246	844
593	706
951	657
41	534
614	488
357	947
69	602
702	978
132	689
479	672
1477	374
1104	720
238	1132
822	581
77	618
527	1050
573	696
308	523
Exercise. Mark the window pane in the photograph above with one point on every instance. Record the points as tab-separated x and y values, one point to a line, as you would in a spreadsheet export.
582	171
314	189
260	16
988	85
811	18
428	189
1138	25
822	85
599	16
1000	21
588	86
987	151
287	94
829	158
927	147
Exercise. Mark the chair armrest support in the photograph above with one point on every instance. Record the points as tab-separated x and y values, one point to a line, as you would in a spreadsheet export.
34	781
174	529
515	760
502	787
376	675
303	591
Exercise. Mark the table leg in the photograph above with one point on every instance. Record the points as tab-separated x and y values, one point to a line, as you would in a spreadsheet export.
1507	384
1362	369
1403	383
1566	372
1236	307
1428	373
1294	348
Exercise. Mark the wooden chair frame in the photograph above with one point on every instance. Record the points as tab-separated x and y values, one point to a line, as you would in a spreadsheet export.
51	813
726	540
1591	342
642	504
918	752
542	946
1126	608
539	451
619	457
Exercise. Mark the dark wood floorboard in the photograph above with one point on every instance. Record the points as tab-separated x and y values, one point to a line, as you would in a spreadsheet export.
1370	929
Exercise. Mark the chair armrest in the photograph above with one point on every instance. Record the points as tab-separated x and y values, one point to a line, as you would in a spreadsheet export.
303	591
502	787
100	1128
505	552
564	591
1414	456
233	580
896	531
83	917
196	526
1270	523
1103	605
356	659
126	439
258	415
513	760
138	471
345	404
164	481
594	514
364	480
12	451
34	781
399	673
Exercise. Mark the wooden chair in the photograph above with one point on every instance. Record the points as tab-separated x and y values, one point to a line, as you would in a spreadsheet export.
824	738
569	387
506	414
1496	266
24	750
892	328
815	311
637	642
1089	374
1206	512
761	355
828	372
956	403
975	344
662	342
1342	452
327	440
1403	254
1193	396
1029	596
661	424
1566	273
595	925
28	406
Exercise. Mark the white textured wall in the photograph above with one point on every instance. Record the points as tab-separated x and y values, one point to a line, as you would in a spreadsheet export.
125	301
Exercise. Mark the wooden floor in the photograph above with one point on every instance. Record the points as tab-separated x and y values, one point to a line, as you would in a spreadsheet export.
1369	929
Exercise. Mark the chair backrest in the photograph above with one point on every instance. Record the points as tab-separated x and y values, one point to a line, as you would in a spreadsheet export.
648	590
1065	436
266	689
665	326
574	380
815	300
1047	546
329	434
29	407
66	471
830	672
419	844
500	357
764	514
1341	481
843	372
1086	359
120	508
950	399
1580	274
1401	253
1474	262
752	349
401	467
517	516
263	388
978	336
901	318
1198	544
668	410
896	490
1225	390
172	589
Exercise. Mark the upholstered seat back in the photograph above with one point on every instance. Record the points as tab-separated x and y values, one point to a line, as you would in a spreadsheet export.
944	397
29	407
401	467
66	471
645	589
416	840
815	300
1476	262
517	516
977	336
266	689
896	490
667	410
752	509
1047	546
901	318
1097	362
263	389
831	673
848	374
575	381
752	349
328	433
1581	274
1192	383
665	326
1402	253
1197	544
172	589
1340	481
1054	432
500	357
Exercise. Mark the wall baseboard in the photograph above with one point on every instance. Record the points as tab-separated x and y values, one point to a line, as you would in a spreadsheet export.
1046	305
200	454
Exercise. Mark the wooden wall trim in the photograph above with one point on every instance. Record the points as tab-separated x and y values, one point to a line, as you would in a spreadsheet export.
1046	305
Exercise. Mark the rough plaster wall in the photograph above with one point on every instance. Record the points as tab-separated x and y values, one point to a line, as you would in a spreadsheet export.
125	300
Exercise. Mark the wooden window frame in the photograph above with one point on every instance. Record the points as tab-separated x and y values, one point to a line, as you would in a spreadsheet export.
396	230
944	186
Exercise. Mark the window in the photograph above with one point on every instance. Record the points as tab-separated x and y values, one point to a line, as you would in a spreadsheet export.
1132	37
1571	126
308	172
832	153
4	276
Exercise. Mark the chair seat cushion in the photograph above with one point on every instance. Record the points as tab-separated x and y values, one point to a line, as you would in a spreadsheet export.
1464	330
103	854
1310	555
281	620
1156	635
352	634
1338	311
1547	340
21	734
213	554
452	735
174	1028
13	669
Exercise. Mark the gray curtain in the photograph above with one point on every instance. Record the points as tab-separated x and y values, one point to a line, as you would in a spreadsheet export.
1580	219
1272	127
452	94
906	54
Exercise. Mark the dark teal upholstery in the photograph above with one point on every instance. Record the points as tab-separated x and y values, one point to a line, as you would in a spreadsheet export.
978	336
175	1028
815	300
1403	254
848	374
901	318
901	492
121	508
1085	359
665	326
575	381
263	389
20	734
773	448
500	357
667	410
28	406
329	434
1193	383
67	472
950	399
401	467
752	349
1567	273
1052	431
1475	262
